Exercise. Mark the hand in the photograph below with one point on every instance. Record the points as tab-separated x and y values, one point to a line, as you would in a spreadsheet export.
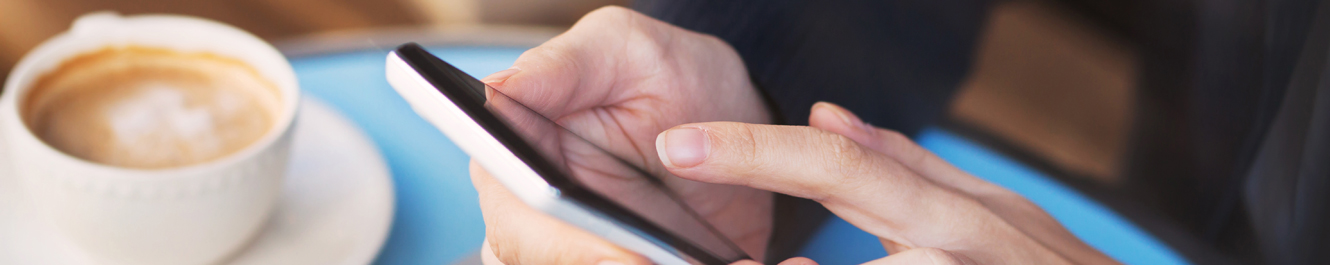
617	78
921	208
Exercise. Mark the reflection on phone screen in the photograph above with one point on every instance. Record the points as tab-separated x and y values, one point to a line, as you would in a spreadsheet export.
609	176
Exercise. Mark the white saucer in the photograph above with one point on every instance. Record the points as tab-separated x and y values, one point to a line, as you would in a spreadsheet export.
336	205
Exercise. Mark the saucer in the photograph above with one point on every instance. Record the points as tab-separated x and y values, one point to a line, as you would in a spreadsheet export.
336	204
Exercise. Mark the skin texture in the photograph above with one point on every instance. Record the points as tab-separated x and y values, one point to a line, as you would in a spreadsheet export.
618	79
924	210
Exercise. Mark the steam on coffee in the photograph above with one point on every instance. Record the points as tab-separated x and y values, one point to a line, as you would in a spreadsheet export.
145	107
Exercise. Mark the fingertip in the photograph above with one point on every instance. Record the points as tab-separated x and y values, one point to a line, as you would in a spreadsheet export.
688	152
833	118
823	117
682	147
837	119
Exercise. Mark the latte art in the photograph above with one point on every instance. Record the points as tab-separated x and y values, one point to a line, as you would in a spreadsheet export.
150	108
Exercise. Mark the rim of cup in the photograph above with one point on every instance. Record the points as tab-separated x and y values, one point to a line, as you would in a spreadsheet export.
110	29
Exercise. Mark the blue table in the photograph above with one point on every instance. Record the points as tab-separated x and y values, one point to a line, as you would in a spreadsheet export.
438	220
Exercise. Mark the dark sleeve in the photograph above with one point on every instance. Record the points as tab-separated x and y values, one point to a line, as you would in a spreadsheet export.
1286	192
894	63
1231	134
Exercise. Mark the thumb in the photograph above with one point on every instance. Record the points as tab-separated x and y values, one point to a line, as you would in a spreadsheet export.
577	69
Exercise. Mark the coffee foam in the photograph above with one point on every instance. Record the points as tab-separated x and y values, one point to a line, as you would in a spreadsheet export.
151	108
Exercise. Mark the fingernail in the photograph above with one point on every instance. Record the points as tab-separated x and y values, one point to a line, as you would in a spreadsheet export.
609	262
846	116
682	147
500	76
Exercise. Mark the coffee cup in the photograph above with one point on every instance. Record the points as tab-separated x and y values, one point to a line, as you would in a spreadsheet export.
137	175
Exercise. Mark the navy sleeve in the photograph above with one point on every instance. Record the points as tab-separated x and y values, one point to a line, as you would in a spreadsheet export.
894	63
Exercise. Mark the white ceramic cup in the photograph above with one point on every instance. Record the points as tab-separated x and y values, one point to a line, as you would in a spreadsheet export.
194	214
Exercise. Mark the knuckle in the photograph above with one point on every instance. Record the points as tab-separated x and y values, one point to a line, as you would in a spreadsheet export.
649	45
741	150
644	39
842	148
650	39
746	147
846	160
612	9
845	154
607	13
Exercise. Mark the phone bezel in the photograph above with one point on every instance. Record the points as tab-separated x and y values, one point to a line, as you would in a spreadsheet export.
463	90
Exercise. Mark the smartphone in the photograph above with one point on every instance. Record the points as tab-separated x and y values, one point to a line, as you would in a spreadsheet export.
553	169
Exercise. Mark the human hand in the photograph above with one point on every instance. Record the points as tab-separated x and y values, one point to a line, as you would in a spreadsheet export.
924	210
617	78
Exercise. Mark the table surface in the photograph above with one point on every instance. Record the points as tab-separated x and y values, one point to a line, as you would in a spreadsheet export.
437	219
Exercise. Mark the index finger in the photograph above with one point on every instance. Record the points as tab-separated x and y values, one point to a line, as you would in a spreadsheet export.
795	160
867	189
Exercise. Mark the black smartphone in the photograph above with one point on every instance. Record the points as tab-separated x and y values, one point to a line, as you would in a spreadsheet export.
553	169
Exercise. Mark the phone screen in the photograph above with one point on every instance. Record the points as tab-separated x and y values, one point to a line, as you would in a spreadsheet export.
581	170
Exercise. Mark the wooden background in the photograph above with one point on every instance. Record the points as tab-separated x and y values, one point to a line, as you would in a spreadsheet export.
1043	80
26	23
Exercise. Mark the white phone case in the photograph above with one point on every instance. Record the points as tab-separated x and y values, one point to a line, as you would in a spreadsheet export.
514	174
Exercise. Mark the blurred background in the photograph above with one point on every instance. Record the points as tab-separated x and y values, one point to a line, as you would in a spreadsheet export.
1053	82
25	23
1045	78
